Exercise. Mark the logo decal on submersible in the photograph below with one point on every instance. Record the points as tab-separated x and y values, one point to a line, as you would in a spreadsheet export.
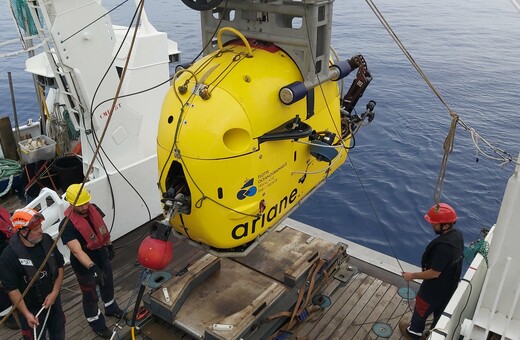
247	189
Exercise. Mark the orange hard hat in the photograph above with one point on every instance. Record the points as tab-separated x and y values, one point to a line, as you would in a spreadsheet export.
26	218
441	213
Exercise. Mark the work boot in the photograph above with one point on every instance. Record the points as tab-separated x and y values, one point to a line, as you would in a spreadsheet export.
426	335
118	313
403	327
104	333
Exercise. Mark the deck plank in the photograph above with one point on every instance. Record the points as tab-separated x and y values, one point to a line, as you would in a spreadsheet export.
355	305
352	308
362	325
340	298
403	311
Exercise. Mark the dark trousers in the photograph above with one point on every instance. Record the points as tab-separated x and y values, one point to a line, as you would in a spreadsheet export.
423	309
54	328
88	286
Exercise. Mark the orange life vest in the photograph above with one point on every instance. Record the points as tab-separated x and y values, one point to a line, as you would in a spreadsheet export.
97	235
5	222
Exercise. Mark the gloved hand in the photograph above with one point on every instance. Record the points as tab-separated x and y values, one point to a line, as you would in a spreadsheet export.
111	252
98	274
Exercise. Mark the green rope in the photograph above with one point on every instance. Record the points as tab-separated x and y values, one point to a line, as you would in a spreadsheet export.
479	246
23	17
8	167
71	130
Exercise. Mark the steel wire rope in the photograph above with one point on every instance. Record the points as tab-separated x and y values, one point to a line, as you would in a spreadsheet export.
394	254
98	142
67	217
212	36
162	83
169	79
338	130
207	44
173	78
198	204
219	158
140	8
516	4
326	169
177	127
142	277
504	156
106	155
133	93
93	22
227	70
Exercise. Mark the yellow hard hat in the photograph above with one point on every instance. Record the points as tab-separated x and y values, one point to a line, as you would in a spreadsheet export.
73	192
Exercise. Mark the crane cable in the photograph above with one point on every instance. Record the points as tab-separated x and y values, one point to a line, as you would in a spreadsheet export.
499	154
61	230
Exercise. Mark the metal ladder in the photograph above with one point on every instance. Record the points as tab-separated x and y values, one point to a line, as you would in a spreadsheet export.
63	74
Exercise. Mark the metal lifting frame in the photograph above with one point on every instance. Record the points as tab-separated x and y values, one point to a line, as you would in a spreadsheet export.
302	28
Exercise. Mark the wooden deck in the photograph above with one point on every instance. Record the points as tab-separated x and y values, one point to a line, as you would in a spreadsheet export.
356	305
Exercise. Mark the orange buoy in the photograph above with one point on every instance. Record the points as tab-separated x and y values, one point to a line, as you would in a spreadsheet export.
154	253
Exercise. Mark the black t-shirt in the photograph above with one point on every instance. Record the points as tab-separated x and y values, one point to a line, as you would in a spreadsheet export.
4	241
71	233
13	276
445	256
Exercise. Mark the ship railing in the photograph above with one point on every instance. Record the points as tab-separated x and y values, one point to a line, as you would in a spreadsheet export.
464	301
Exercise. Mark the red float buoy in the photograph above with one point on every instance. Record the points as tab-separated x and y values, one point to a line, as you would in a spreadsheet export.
155	254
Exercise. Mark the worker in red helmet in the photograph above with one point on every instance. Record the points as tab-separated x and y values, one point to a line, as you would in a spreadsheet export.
41	308
441	268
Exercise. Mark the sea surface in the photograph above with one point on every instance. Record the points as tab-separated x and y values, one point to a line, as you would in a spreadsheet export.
468	49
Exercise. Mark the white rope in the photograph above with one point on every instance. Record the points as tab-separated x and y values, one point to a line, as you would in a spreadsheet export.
498	154
44	323
503	156
8	186
7	42
12	54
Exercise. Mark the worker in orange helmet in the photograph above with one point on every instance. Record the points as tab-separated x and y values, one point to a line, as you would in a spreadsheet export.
441	268
20	262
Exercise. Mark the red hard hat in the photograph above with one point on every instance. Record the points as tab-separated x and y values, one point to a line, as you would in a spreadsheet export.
441	214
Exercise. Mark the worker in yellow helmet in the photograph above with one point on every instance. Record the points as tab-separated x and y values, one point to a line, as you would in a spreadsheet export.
91	249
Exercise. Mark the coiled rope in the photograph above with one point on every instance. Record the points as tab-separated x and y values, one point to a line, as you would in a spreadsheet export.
9	169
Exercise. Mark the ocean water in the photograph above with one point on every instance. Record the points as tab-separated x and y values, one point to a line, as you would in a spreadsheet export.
469	51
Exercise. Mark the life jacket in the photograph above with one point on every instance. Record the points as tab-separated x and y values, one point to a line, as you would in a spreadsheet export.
25	258
6	226
97	235
452	238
